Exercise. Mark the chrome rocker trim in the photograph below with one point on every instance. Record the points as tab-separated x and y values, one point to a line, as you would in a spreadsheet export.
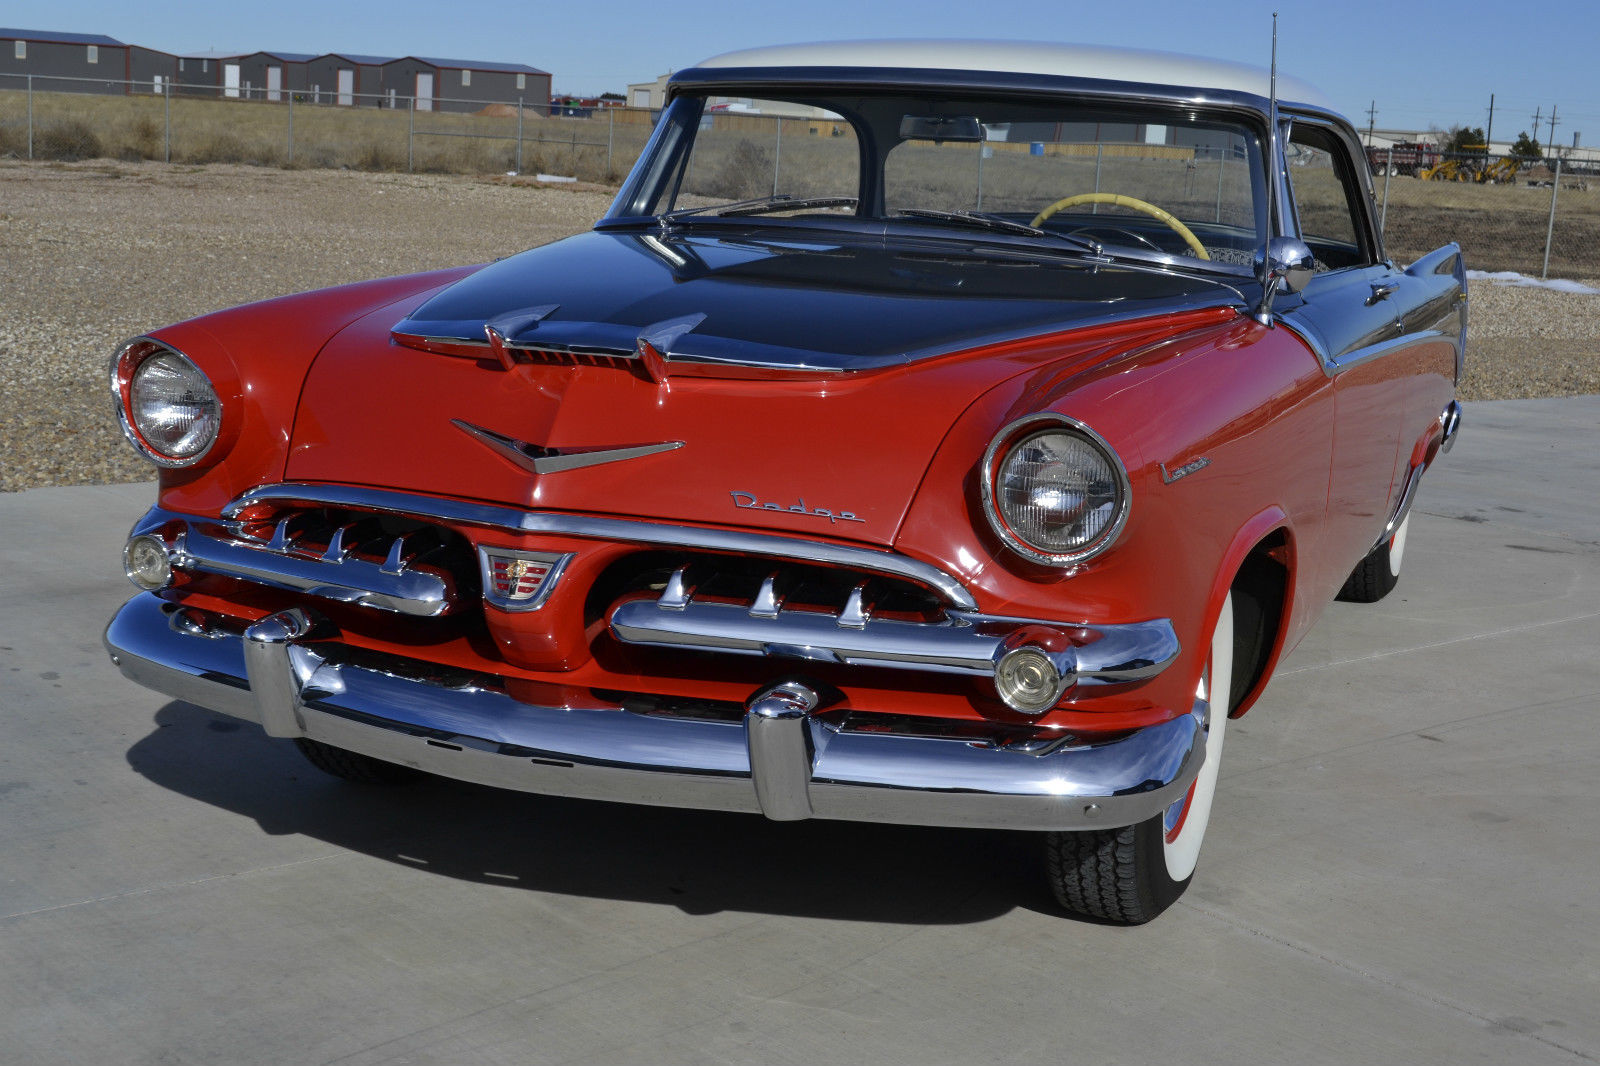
782	759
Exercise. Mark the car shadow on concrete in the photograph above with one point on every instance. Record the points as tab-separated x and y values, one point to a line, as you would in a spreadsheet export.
698	861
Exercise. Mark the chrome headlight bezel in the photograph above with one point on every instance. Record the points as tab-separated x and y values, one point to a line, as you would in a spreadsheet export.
125	367
999	453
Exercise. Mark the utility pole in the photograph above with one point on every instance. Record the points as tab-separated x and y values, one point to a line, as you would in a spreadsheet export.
1552	141
1488	135
1372	114
1538	116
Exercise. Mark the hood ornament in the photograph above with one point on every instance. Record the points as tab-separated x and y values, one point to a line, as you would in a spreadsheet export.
541	460
500	327
654	345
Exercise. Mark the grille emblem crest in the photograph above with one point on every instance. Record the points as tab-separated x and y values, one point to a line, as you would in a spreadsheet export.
518	580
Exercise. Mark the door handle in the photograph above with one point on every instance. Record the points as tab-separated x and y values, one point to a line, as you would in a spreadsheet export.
1382	290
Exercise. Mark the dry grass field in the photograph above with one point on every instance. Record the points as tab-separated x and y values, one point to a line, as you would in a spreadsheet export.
1499	227
98	252
78	126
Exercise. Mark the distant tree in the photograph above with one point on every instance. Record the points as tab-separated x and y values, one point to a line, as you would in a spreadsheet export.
1465	139
1526	147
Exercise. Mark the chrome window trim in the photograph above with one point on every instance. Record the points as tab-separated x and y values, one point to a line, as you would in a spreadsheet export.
1338	364
633	531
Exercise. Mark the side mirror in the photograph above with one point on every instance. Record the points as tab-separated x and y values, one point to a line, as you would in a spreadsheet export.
1288	261
1285	265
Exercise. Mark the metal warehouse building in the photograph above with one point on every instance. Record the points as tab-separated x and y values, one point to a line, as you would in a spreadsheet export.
266	75
81	62
467	85
95	63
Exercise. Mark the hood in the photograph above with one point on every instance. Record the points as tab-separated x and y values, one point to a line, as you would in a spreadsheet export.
825	452
797	302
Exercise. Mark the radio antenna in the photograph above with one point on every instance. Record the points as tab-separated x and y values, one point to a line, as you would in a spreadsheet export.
1269	278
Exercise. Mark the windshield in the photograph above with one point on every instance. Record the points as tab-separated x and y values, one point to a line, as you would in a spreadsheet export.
1172	183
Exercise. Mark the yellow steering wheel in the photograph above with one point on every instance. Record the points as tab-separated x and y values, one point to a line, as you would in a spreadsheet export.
1127	201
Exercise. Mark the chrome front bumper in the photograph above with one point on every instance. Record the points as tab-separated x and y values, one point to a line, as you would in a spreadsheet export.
782	759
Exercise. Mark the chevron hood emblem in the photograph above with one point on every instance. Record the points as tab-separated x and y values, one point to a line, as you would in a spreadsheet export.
541	460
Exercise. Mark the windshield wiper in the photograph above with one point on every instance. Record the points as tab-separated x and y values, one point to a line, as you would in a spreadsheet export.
760	206
1004	225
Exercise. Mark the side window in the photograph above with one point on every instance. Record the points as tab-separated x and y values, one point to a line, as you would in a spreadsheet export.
1327	198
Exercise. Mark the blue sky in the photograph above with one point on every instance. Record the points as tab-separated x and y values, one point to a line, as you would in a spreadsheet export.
1425	62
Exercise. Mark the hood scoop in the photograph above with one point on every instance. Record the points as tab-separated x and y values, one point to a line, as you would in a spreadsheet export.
656	350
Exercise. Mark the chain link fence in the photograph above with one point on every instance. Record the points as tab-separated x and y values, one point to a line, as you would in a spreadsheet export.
72	118
1539	217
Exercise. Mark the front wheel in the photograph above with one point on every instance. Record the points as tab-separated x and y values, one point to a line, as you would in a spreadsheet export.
1131	874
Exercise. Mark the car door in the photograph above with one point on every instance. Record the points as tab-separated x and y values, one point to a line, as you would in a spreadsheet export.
1375	329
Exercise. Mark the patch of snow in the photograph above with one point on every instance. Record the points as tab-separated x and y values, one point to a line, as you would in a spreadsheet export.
1511	277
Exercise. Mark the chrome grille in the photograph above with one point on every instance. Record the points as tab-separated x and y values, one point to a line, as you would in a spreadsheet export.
381	561
617	360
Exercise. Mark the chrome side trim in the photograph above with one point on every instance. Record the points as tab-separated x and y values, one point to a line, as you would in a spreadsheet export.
783	759
1450	421
965	643
627	531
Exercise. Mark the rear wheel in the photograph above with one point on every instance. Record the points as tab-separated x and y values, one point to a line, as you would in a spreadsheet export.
1375	576
1131	874
352	766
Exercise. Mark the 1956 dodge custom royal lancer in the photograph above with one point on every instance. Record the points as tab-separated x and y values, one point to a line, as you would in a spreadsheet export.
964	451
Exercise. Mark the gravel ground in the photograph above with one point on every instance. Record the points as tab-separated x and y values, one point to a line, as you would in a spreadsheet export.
95	253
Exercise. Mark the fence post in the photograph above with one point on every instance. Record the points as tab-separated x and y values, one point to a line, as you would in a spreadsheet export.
981	147
1099	156
611	127
519	135
411	137
1550	228
290	95
1222	169
1388	169
30	116
777	155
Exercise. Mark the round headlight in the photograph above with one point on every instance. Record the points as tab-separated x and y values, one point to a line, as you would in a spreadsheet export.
1054	491
170	411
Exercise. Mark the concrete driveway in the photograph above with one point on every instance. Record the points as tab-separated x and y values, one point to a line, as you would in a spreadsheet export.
1403	865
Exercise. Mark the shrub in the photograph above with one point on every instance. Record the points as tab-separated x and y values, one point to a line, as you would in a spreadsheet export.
68	140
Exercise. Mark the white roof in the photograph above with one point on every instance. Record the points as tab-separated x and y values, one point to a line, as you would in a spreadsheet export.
1030	57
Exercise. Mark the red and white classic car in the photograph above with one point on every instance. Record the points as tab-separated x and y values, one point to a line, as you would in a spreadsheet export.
952	434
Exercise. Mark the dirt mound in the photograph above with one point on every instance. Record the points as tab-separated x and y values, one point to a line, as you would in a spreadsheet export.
497	111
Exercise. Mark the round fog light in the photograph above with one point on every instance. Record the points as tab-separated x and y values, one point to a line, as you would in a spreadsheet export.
144	560
1028	680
